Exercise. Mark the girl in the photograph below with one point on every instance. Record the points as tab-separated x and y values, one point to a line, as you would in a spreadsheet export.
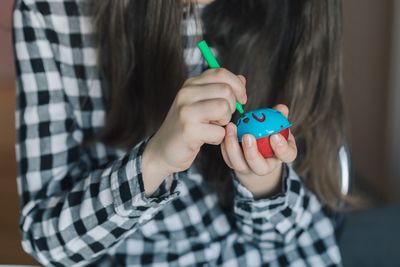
126	152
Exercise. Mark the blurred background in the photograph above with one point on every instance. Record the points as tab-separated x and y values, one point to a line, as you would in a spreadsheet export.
371	60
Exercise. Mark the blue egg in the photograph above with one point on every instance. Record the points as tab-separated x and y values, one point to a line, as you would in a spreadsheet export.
261	123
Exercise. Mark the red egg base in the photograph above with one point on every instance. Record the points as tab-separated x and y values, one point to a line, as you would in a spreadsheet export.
264	145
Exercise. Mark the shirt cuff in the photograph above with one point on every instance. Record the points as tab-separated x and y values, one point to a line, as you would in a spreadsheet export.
128	189
243	193
283	210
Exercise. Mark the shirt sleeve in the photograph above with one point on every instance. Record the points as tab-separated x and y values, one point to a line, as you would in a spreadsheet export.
280	213
288	228
72	210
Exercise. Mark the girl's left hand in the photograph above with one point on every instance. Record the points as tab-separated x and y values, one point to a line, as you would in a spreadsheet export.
260	176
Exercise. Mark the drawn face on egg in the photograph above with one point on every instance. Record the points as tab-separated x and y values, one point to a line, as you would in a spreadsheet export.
246	119
261	123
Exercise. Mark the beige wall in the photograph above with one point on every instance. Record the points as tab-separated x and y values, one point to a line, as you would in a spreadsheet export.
367	28
393	150
6	69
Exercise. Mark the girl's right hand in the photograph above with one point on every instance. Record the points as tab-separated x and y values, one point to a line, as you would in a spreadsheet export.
200	110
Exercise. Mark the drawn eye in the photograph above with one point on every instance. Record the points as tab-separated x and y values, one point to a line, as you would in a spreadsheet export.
246	120
258	119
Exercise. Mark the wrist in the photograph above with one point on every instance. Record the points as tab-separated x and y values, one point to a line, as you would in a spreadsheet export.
263	186
154	170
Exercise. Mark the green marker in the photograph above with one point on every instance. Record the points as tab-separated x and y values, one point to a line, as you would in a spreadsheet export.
212	63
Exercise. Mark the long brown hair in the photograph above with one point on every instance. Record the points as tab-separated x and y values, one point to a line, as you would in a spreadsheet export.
289	51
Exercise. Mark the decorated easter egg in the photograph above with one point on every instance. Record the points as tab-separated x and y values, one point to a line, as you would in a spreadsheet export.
262	123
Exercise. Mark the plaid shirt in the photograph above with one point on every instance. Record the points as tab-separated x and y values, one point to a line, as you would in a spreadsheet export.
86	205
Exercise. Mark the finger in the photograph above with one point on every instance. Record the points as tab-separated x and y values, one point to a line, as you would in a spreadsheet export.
292	141
212	134
199	92
225	155
254	159
203	133
216	111
282	150
242	79
221	75
282	109
234	151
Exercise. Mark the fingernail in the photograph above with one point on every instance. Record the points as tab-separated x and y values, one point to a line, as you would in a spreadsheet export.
248	141
276	139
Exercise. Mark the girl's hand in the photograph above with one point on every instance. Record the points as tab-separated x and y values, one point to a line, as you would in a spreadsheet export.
261	176
201	109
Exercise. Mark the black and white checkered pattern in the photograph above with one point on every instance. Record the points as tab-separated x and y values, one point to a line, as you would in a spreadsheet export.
86	205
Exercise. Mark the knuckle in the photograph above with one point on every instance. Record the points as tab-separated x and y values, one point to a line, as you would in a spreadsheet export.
212	72
182	94
227	118
224	106
226	115
221	134
227	91
194	147
183	113
207	72
221	71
